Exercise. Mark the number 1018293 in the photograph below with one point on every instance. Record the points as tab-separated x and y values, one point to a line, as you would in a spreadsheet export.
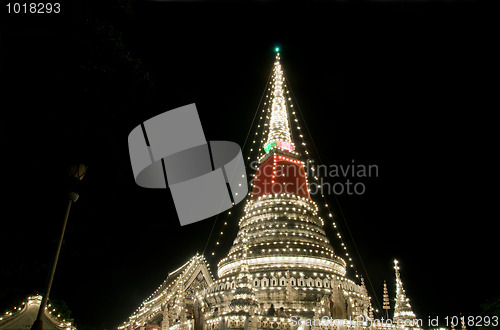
33	8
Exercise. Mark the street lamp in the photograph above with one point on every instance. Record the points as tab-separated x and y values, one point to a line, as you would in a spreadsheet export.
77	172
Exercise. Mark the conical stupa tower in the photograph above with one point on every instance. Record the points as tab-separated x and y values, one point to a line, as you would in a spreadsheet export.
281	241
403	313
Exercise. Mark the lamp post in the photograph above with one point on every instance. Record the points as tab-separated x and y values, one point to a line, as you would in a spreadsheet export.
77	172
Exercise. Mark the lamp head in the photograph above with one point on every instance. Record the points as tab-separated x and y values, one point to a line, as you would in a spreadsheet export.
77	171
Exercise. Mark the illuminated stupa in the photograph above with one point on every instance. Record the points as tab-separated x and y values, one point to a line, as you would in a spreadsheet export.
281	266
281	239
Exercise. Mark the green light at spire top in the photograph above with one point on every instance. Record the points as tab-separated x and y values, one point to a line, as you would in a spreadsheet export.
277	49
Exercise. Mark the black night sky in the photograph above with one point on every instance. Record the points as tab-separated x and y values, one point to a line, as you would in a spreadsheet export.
407	86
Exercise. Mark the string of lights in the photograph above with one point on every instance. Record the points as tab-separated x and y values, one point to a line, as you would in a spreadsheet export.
249	165
325	201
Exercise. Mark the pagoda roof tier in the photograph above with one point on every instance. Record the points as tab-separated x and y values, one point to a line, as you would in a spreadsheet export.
334	265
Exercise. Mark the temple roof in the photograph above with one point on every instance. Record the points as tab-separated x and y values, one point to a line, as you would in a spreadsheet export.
193	275
24	316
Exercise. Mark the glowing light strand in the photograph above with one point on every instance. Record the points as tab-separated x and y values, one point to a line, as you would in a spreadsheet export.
329	211
260	122
260	126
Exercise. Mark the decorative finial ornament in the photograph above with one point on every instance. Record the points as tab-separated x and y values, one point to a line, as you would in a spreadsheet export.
386	301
